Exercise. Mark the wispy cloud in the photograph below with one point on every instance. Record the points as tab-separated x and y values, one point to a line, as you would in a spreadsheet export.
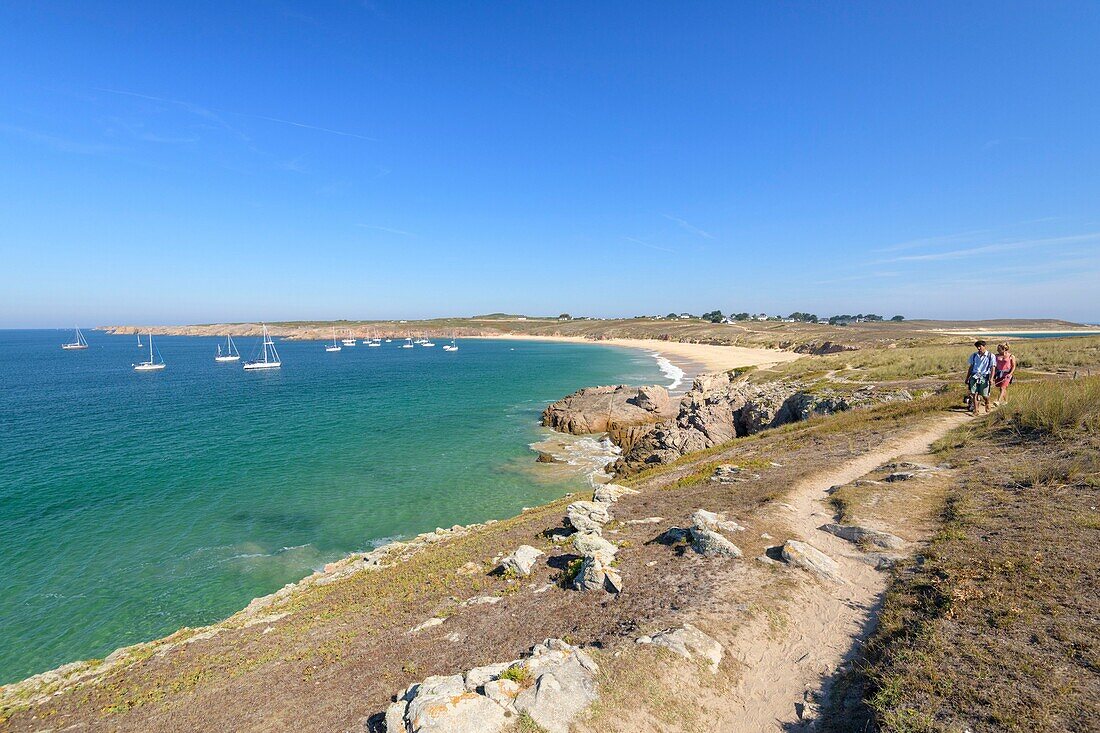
957	254
214	114
688	226
934	241
61	144
387	229
650	246
973	234
856	278
294	164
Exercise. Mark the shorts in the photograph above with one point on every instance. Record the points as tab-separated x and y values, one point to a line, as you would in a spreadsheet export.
979	386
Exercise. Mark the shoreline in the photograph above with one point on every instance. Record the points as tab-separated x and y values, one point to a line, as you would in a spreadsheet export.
79	671
692	358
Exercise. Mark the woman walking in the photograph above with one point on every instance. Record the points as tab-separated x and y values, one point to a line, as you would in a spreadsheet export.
1003	370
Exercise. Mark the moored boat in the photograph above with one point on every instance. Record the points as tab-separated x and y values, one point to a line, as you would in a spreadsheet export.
270	357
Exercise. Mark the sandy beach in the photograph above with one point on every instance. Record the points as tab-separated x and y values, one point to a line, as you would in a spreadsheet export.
689	357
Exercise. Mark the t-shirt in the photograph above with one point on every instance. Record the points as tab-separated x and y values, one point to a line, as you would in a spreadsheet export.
981	364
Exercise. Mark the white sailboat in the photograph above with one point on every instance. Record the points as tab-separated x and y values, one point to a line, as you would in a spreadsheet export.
373	341
426	342
78	342
451	346
349	341
333	346
270	358
139	341
408	343
231	353
152	365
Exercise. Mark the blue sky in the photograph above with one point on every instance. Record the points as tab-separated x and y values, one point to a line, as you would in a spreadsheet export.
210	161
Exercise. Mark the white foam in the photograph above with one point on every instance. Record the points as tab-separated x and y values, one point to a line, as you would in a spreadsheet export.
670	370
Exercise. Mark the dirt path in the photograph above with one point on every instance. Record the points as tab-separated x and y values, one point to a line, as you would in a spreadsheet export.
781	677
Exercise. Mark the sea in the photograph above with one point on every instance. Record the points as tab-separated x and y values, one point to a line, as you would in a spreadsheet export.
133	504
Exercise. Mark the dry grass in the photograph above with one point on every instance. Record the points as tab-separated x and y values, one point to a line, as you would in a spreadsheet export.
946	362
997	626
1048	410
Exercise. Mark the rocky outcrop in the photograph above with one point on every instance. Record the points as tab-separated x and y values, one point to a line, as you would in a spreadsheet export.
690	643
864	536
609	409
706	539
587	516
521	561
720	407
825	347
552	686
808	557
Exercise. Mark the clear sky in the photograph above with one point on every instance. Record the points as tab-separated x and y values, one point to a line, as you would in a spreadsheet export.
210	161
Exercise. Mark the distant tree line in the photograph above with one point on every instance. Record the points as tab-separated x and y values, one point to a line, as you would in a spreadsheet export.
716	316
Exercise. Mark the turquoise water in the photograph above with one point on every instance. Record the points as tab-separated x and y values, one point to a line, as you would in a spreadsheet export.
132	504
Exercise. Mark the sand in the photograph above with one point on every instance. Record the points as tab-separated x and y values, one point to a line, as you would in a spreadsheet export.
684	355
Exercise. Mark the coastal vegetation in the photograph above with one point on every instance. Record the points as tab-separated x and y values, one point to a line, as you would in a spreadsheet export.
999	603
996	627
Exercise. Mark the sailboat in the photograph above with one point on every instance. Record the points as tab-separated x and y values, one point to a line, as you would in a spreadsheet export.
349	341
373	341
408	343
333	346
139	341
269	360
231	353
77	343
426	342
152	365
451	346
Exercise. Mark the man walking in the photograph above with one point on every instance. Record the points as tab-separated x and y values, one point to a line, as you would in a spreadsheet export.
979	376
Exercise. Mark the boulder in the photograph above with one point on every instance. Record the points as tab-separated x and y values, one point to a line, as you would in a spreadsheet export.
587	516
864	536
690	643
560	683
812	559
521	561
711	543
706	534
610	493
590	544
714	521
443	705
596	573
478	676
564	685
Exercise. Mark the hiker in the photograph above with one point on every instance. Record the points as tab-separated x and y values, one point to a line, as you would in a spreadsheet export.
979	376
1003	370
